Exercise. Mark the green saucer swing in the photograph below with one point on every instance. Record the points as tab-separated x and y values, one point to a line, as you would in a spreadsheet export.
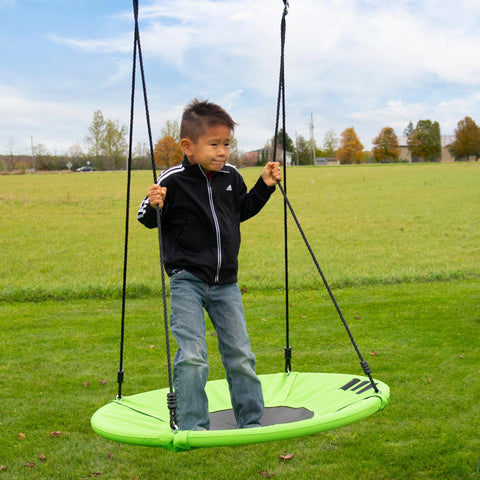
296	404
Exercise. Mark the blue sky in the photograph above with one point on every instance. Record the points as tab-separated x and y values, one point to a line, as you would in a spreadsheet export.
349	63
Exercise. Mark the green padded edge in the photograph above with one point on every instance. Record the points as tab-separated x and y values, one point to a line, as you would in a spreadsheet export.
143	419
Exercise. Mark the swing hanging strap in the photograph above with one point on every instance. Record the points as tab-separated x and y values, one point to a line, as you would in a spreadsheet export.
171	398
281	104
288	206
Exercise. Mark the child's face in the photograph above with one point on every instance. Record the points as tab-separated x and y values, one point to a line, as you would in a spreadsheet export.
211	150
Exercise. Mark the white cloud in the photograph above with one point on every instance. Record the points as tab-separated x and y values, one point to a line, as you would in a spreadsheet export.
124	70
334	43
55	124
111	45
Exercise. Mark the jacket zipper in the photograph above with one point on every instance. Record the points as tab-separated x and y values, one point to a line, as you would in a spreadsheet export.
217	228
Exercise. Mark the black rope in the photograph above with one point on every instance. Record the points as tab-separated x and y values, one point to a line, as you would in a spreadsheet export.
281	103
120	372
283	189
171	398
363	362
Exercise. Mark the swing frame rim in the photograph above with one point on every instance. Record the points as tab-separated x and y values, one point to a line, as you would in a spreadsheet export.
160	434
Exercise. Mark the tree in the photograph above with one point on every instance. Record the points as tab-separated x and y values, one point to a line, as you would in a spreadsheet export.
43	158
12	156
304	151
408	132
350	150
114	145
290	147
141	159
385	145
467	140
425	141
167	152
330	143
171	129
96	131
107	139
235	154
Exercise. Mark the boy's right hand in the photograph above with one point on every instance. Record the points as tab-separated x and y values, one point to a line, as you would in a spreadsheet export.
156	195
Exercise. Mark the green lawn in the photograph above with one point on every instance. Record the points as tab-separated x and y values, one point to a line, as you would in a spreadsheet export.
368	224
400	247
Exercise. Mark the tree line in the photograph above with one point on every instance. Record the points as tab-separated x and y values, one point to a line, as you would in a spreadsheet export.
107	148
424	143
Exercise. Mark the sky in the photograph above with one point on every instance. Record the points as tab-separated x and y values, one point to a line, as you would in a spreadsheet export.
365	64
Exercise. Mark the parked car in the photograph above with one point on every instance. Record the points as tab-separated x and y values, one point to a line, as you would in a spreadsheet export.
86	168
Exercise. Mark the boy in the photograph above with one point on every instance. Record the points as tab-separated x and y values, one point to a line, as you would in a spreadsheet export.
203	201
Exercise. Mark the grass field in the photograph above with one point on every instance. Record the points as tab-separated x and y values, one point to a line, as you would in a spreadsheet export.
400	247
370	224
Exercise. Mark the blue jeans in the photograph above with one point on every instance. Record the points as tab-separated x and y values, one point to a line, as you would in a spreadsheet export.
189	297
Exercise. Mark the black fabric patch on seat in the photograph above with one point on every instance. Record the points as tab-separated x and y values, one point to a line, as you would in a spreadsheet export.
225	420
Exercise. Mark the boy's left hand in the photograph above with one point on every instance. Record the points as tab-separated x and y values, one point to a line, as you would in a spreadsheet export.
272	174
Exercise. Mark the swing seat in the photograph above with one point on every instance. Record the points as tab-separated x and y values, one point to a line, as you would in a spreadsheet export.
297	404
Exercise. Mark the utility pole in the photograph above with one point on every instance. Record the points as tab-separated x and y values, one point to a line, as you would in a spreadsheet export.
296	147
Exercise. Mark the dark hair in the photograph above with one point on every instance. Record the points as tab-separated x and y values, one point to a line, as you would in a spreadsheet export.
200	114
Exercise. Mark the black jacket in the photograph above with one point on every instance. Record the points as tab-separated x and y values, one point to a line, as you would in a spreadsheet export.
201	219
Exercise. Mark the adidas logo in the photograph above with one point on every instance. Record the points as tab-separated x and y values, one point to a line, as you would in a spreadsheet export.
229	188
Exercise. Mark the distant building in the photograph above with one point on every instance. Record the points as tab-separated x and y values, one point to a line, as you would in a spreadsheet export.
264	155
326	161
446	156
